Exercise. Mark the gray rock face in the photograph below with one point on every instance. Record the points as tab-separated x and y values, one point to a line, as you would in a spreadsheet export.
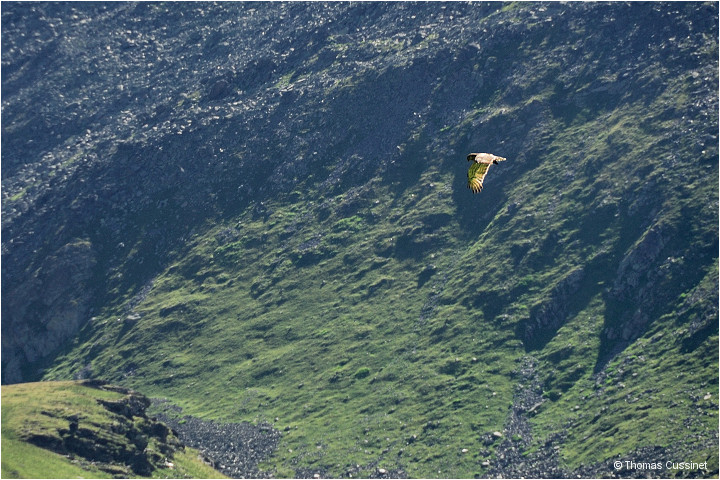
551	315
638	262
47	308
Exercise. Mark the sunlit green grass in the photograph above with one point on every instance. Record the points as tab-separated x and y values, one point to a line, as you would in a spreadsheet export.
23	460
43	408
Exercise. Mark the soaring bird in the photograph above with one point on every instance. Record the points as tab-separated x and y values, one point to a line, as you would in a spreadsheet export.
479	168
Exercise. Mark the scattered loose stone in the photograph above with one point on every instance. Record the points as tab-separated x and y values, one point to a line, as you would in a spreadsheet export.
235	449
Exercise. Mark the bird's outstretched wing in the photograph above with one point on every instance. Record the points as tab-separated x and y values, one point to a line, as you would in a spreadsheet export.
476	175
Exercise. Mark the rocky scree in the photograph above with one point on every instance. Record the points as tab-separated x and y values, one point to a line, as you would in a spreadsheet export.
234	449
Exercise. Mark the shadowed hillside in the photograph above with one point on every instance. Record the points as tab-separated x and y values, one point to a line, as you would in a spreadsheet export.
258	212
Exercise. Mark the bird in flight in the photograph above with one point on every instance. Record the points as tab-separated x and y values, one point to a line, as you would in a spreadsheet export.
479	168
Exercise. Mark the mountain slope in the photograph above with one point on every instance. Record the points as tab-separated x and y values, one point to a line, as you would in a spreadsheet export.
259	212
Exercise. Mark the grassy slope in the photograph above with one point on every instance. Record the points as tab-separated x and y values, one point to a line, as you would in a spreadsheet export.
22	412
380	325
369	346
24	460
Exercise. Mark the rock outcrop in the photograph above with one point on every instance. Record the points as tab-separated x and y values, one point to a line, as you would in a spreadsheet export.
46	308
123	449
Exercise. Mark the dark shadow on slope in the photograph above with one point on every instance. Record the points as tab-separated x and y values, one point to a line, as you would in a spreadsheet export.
700	334
574	291
633	277
138	210
655	286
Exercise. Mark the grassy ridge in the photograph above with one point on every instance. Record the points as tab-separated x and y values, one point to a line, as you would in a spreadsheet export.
40	413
